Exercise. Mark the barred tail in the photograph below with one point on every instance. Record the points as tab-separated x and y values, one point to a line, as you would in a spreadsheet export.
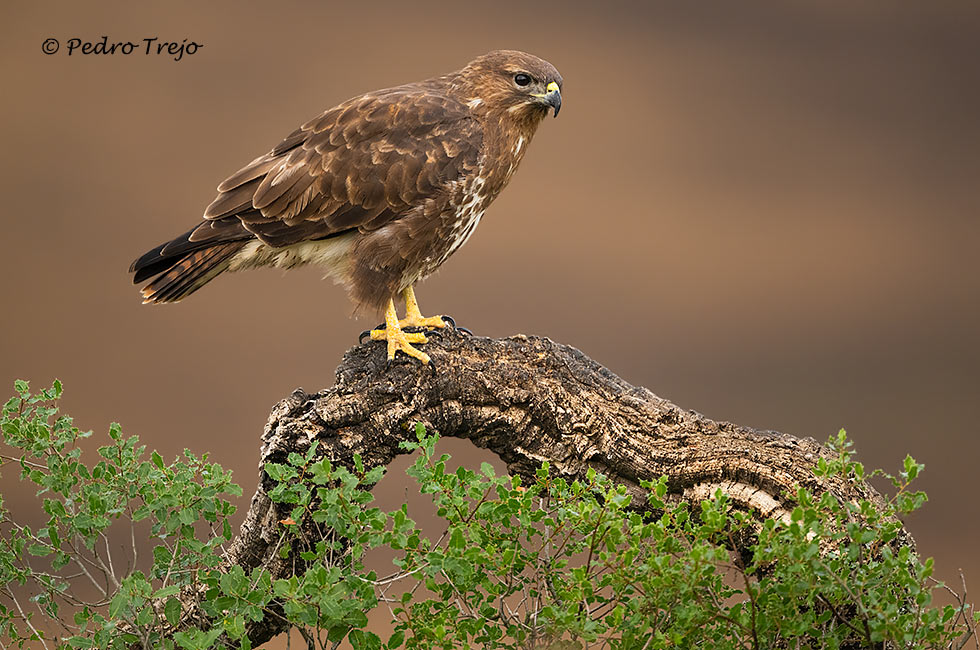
182	274
185	264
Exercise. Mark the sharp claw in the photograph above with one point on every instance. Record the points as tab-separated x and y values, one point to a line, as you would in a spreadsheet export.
360	339
391	362
452	321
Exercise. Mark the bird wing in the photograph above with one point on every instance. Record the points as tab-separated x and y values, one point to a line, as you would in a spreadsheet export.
359	165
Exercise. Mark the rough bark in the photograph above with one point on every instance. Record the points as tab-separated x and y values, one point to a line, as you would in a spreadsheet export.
527	399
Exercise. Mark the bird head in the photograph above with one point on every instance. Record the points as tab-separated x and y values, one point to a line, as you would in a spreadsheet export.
513	83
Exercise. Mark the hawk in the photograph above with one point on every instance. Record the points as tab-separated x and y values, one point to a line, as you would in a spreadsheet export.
379	190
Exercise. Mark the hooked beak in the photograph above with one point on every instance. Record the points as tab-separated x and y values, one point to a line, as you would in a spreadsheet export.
552	97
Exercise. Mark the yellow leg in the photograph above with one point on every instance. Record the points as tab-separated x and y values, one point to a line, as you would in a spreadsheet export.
397	339
413	317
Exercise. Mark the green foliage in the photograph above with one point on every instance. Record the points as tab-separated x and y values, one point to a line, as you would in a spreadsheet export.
551	564
70	556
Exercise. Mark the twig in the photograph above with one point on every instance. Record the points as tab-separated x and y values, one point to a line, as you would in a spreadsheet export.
108	555
11	459
27	620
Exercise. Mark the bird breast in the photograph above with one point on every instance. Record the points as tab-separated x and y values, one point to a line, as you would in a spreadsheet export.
459	222
473	196
475	199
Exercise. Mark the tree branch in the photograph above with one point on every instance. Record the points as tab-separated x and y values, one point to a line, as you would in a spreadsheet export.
528	400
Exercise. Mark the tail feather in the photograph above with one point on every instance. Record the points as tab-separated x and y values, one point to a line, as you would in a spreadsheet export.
188	273
185	264
152	263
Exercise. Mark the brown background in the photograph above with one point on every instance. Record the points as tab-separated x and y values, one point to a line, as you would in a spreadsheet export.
767	212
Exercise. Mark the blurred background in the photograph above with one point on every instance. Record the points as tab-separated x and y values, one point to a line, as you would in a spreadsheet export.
780	197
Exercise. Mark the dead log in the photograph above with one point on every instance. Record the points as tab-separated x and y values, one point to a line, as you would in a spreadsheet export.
528	400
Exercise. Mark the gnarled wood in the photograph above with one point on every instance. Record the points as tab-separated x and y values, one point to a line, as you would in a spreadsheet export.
528	400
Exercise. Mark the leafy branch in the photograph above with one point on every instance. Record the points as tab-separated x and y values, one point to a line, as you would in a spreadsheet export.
547	562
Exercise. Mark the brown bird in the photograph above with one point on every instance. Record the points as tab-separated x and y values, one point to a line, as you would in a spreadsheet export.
379	190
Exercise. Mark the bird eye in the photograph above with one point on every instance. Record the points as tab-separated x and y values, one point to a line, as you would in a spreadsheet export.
522	79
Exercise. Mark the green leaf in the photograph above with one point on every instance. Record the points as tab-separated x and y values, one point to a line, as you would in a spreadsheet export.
196	639
40	550
235	626
170	590
456	540
361	640
912	468
395	640
171	610
120	603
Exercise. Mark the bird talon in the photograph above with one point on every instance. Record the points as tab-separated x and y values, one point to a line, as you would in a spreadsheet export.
360	337
404	346
463	330
430	322
450	320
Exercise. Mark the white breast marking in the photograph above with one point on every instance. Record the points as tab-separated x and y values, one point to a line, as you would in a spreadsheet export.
519	145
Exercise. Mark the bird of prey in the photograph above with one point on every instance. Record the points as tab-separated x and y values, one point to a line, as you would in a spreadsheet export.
379	190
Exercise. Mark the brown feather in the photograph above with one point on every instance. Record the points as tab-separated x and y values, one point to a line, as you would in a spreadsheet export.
190	273
409	170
